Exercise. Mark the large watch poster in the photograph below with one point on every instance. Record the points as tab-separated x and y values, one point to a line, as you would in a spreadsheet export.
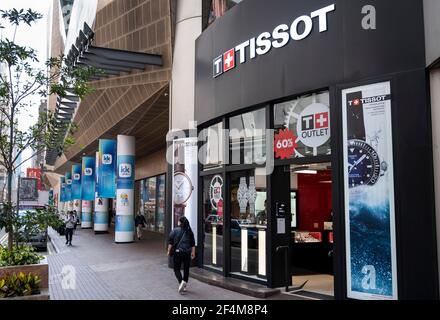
369	192
185	179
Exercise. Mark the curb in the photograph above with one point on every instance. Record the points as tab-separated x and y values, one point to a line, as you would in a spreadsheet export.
53	244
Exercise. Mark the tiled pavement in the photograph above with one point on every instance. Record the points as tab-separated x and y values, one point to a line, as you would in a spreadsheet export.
105	270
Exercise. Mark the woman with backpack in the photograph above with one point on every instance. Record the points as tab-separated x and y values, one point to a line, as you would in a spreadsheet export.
181	247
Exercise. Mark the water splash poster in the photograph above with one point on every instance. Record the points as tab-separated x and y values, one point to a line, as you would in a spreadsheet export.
369	193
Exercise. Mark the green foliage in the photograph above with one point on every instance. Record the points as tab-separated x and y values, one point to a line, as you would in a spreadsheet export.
19	256
19	285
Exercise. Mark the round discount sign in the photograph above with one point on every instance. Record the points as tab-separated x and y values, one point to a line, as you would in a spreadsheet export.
285	144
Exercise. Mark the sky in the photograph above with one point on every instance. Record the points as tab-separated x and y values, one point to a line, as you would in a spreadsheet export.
36	38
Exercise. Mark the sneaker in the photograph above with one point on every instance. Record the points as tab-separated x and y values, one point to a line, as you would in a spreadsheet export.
67	242
182	286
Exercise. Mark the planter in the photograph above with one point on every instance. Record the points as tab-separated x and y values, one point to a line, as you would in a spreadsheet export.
43	295
42	270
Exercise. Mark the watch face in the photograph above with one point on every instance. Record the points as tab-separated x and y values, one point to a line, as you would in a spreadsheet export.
182	188
363	164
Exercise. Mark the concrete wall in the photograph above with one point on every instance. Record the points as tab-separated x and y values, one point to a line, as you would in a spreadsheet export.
432	30
435	107
188	28
151	165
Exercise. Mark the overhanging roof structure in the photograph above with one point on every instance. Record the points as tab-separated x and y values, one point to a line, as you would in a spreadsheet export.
108	62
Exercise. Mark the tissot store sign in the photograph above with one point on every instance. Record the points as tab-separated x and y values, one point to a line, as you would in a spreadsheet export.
281	35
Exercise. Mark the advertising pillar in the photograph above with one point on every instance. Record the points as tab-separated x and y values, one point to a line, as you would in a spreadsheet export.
86	214
124	229
101	207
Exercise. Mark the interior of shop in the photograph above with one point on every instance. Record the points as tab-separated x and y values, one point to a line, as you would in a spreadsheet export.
312	227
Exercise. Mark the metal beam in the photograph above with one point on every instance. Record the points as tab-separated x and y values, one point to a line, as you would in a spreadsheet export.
106	71
120	63
138	57
103	66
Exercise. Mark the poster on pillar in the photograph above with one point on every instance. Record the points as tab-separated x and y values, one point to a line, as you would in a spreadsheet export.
184	193
88	179
62	189
68	193
107	167
76	182
101	216
369	192
124	228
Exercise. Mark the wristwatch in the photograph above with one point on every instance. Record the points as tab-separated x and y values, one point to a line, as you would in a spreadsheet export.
242	195
182	186
252	192
364	165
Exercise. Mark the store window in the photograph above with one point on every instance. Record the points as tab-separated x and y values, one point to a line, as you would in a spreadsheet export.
212	149
248	223
213	221
152	202
247	138
307	118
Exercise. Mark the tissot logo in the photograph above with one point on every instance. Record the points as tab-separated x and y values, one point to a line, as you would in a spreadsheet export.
315	121
107	159
88	171
125	170
281	35
358	102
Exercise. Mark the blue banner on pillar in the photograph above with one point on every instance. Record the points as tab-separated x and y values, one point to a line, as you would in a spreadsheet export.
88	178
107	167
68	193
125	172
76	182
62	189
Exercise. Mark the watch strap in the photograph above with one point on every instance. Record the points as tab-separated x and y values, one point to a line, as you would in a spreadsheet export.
355	116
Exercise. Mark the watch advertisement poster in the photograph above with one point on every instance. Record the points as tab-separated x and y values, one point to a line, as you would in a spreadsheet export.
185	182
369	192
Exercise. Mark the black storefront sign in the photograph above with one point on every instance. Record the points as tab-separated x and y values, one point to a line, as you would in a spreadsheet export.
344	56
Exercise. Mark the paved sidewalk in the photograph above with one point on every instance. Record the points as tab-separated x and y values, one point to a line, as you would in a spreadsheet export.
105	270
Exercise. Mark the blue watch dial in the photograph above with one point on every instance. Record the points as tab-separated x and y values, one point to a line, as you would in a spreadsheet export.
363	164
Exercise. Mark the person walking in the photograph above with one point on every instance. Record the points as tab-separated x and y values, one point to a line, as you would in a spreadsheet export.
139	222
181	246
70	225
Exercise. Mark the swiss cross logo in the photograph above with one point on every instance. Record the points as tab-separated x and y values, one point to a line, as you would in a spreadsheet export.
321	120
229	60
356	102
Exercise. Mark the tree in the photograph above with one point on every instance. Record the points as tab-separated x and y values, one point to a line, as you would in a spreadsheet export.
21	81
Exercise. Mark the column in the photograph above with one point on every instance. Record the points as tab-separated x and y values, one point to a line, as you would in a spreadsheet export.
244	249
86	214
101	215
124	227
77	207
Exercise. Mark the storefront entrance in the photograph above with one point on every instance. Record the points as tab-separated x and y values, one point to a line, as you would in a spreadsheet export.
312	228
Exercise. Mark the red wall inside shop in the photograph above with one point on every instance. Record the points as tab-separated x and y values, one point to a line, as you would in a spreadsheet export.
314	200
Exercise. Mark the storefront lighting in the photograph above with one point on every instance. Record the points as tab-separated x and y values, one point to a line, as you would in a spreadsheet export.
307	171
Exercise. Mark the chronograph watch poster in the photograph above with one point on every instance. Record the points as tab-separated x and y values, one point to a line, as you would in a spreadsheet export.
369	192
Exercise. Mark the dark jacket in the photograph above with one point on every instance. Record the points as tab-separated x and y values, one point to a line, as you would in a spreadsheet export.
140	220
187	242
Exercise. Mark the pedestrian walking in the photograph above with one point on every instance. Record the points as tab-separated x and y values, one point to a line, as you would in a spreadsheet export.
139	222
181	247
70	225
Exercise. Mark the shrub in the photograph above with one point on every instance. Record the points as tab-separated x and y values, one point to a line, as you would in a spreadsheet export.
19	285
18	256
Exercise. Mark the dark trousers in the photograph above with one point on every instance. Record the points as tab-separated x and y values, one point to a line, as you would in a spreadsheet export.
179	258
69	234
